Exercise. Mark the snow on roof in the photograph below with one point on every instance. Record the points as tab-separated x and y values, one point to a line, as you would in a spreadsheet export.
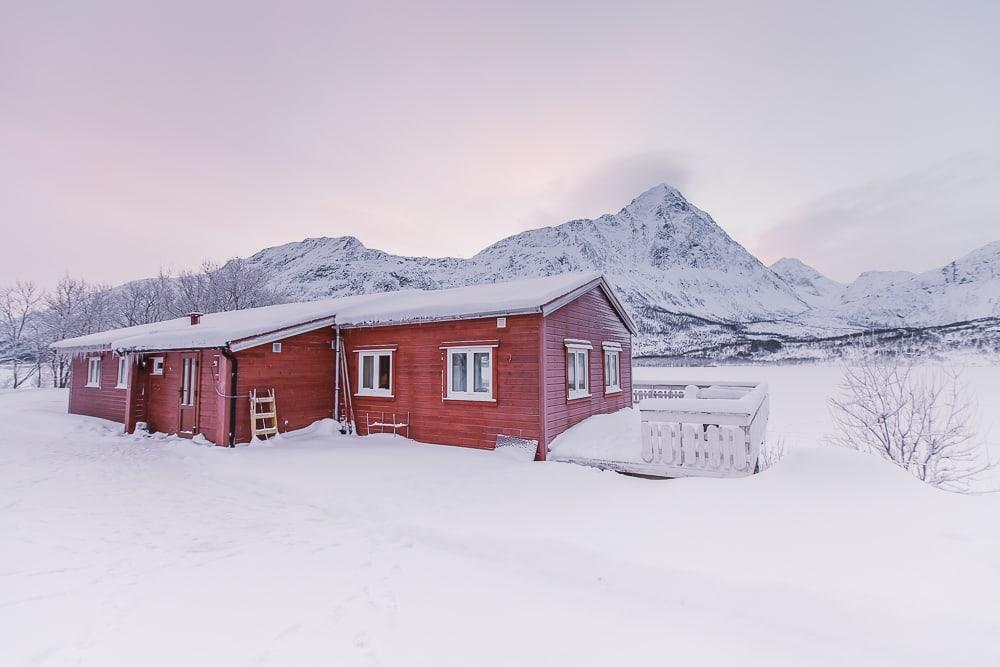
242	326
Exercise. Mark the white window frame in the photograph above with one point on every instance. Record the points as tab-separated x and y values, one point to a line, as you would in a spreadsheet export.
123	369
94	371
470	378
156	366
375	354
575	348
612	385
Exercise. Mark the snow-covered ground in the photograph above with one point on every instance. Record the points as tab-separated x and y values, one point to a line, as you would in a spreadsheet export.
321	549
800	394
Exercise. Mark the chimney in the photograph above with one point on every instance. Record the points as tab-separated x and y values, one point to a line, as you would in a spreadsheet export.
195	317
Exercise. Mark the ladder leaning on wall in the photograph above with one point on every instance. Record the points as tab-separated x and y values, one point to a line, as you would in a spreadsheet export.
263	415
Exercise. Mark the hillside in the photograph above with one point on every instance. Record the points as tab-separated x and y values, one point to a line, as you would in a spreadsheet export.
689	285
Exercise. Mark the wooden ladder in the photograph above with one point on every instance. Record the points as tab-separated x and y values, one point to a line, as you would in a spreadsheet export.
263	415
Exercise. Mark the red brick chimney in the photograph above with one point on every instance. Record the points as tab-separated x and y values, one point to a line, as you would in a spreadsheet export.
195	317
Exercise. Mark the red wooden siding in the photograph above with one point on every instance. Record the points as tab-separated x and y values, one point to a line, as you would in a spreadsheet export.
163	393
418	380
106	401
157	397
301	375
591	317
529	379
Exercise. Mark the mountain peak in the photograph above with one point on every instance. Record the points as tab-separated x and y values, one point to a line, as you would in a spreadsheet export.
812	286
656	195
793	265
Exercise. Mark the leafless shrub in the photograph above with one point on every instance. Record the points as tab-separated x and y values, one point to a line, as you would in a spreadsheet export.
17	306
771	454
921	419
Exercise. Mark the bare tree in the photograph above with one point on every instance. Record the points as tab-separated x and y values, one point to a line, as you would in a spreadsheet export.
74	308
921	419
143	301
17	308
233	286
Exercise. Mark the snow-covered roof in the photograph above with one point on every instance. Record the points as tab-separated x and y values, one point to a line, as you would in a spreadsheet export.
241	329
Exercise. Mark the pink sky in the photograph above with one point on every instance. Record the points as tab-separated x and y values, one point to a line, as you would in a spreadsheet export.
139	135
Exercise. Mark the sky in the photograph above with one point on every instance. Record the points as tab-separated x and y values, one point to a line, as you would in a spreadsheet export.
143	135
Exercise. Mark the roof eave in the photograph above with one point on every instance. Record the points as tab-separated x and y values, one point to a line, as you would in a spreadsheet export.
79	349
279	334
450	318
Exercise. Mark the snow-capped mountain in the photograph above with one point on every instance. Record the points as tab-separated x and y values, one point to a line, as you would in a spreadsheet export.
812	286
665	257
689	285
966	289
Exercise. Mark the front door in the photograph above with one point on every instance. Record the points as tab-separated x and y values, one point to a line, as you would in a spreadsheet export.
189	395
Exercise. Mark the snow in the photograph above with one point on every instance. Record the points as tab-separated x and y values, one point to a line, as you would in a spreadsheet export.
682	278
812	286
221	329
317	548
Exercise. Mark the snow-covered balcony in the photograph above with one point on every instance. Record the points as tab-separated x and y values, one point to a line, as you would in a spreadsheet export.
684	429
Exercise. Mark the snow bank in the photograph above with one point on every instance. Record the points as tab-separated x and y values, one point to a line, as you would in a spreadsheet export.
610	437
328	549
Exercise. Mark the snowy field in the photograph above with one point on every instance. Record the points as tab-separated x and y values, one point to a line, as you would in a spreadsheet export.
799	396
324	550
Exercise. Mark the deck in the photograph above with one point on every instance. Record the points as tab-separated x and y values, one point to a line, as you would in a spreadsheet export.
689	429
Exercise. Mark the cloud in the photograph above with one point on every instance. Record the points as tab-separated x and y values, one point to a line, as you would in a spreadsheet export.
607	187
916	222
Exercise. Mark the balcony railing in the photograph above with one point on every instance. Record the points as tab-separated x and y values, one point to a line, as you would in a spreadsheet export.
707	429
697	428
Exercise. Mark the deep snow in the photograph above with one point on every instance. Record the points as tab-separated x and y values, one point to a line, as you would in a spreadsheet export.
321	549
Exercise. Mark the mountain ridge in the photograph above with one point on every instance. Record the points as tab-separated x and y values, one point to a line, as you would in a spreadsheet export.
686	282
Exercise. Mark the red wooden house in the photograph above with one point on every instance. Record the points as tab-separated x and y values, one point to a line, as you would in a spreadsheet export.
461	366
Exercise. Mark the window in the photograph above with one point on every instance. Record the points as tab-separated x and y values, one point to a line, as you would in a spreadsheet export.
612	370
276	347
157	366
94	372
470	373
577	368
189	380
375	373
122	372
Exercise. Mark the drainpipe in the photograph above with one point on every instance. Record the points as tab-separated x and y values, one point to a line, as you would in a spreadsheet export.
234	366
336	382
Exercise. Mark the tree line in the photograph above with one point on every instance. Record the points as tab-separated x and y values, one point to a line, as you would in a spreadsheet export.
31	318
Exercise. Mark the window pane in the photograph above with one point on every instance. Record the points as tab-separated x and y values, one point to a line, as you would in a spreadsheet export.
459	372
384	363
571	370
367	372
483	373
194	380
581	370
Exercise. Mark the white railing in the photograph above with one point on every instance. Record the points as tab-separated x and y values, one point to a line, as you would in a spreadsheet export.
705	429
650	390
